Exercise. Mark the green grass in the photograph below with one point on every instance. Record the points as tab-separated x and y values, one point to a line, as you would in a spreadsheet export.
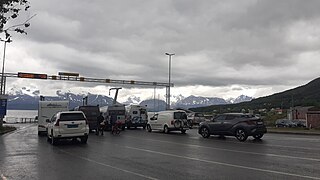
294	130
6	129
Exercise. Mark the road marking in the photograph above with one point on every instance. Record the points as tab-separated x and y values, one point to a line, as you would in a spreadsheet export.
223	164
110	166
236	151
3	177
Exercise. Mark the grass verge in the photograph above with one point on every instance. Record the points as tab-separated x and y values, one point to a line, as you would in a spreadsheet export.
294	130
6	129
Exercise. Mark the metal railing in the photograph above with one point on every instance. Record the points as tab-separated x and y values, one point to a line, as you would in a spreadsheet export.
20	120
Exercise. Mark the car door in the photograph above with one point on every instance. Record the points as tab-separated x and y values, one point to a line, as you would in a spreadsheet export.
216	124
228	123
51	123
154	121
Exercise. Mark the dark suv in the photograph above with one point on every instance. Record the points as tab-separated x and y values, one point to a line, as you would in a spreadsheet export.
239	125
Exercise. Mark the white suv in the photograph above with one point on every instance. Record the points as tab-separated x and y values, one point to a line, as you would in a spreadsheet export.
68	125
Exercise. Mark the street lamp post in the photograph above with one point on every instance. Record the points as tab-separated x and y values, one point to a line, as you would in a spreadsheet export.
2	87
3	97
168	88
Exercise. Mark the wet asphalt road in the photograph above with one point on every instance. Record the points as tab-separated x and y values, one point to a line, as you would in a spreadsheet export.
136	154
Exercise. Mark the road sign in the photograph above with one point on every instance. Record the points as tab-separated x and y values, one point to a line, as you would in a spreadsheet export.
3	105
32	75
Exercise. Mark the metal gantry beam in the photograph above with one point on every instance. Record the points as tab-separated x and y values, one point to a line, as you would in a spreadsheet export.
85	79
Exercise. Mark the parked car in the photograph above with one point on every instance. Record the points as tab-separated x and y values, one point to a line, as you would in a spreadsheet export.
300	122
239	125
284	123
166	121
68	125
195	118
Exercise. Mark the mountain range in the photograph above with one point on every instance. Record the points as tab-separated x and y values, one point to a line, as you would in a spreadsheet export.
305	95
26	98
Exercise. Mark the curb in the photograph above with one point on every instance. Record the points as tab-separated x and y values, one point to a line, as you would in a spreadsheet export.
297	133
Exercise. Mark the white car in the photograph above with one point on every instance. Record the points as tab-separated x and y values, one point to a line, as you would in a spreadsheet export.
166	121
68	125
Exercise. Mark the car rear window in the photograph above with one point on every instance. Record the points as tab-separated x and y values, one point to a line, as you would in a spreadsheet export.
180	115
198	115
72	117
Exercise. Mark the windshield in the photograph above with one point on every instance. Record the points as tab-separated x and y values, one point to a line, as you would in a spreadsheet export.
72	117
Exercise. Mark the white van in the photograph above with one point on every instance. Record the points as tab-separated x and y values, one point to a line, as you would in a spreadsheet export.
166	121
46	110
137	116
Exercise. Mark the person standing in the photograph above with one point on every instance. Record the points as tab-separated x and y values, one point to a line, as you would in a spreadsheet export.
100	124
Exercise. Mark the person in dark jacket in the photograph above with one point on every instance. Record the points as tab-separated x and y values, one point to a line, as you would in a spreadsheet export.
100	124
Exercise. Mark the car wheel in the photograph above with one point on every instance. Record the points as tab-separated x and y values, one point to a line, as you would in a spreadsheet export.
166	129
177	124
257	136
84	139
149	128
241	135
183	131
204	131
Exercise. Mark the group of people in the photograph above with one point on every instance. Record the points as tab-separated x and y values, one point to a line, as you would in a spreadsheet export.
103	123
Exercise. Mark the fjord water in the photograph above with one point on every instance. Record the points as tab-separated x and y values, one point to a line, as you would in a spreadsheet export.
14	115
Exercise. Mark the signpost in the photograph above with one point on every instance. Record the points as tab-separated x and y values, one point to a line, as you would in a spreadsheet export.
3	107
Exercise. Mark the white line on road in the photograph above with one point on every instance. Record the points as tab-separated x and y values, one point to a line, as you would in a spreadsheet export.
236	151
223	164
110	166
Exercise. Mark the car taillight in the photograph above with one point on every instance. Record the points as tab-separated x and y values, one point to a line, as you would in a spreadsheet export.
57	123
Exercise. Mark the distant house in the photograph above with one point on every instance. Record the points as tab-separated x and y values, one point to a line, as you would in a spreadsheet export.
298	112
313	117
310	114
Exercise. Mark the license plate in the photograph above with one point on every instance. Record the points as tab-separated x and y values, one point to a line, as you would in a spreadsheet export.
72	125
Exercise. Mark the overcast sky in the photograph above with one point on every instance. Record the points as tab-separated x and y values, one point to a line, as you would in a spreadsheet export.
223	48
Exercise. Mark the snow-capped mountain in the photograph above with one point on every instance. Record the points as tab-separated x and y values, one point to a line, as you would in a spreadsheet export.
198	101
24	91
132	100
239	99
242	98
27	98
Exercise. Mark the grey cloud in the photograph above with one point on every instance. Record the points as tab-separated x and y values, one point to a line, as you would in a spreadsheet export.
217	43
